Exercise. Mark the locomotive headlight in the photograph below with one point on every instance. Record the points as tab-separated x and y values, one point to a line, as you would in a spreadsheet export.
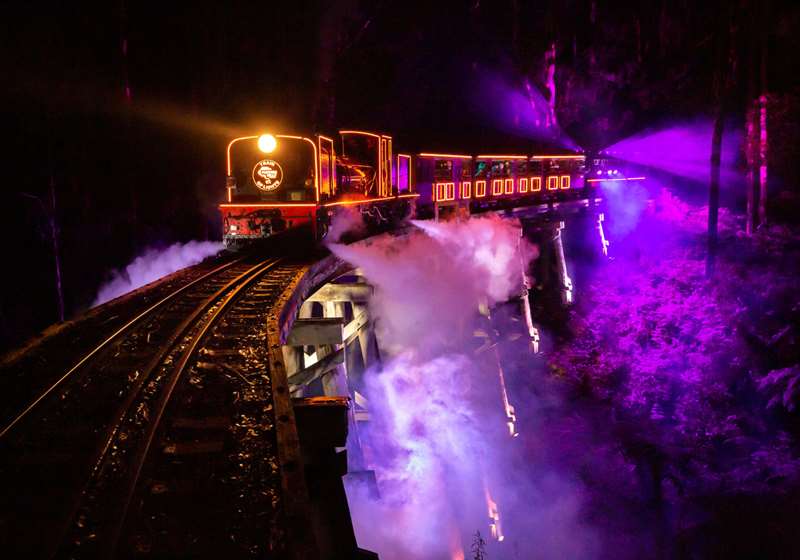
267	143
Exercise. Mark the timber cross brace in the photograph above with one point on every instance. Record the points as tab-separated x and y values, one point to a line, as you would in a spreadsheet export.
330	346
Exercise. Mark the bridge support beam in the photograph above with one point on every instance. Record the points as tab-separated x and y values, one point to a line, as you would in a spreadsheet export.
567	295
331	346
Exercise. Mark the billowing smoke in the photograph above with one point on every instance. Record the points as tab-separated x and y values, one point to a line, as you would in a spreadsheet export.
683	150
154	264
429	284
645	208
626	201
346	221
438	436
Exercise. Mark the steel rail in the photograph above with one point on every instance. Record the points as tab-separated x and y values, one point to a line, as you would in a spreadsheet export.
172	382
243	280
110	339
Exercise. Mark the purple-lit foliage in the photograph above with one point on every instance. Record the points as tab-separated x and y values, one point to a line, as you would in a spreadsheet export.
685	368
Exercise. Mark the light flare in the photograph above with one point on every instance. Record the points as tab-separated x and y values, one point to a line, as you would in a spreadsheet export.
495	526
267	143
508	409
456	548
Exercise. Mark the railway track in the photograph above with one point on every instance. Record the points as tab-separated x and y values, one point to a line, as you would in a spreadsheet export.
94	465
126	329
28	371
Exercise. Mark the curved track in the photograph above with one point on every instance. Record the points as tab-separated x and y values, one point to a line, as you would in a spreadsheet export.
72	460
121	331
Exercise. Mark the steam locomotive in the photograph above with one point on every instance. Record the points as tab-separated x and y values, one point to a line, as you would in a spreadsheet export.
279	182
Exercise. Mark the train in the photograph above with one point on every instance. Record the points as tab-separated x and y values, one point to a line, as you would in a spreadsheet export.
279	182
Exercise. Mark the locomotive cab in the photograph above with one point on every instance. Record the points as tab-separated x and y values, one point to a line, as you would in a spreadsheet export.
365	163
365	177
272	186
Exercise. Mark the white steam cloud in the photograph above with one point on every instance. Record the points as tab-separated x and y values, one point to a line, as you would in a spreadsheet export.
428	284
437	438
154	264
346	221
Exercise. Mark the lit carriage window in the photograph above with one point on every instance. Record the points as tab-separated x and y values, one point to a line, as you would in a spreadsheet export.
536	184
439	191
565	182
403	173
509	186
480	188
497	187
552	183
523	185
466	189
451	191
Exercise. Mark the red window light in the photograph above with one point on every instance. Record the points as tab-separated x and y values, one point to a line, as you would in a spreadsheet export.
523	185
450	191
497	187
438	192
552	183
565	182
536	184
480	189
509	186
466	189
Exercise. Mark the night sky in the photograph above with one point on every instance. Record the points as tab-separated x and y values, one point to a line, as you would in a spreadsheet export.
126	107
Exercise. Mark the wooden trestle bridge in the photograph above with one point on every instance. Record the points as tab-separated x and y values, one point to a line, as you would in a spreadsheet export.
177	421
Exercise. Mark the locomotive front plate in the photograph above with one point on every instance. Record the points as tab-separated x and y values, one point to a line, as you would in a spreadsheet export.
267	175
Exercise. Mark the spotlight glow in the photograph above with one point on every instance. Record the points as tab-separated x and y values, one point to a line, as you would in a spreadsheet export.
267	143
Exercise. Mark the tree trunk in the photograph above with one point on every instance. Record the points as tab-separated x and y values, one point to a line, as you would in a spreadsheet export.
751	11
762	159
751	179
763	144
723	78
54	233
332	46
127	102
550	84
638	40
324	88
756	121
713	192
